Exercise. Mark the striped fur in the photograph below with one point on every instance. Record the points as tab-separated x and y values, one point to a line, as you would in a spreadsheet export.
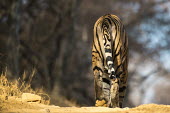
110	61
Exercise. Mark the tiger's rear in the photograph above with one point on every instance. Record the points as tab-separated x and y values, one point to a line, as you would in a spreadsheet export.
110	61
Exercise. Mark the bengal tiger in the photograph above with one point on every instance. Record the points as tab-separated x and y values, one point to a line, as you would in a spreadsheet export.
110	61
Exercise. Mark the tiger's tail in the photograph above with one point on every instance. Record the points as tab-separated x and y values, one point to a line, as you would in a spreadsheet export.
107	42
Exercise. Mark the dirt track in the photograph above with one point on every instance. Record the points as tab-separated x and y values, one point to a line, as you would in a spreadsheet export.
20	107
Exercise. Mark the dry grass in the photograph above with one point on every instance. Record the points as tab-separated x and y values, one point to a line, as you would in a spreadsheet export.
9	88
18	87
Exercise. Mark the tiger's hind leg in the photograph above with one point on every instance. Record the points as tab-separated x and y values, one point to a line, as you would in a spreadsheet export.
100	100
114	93
122	92
102	89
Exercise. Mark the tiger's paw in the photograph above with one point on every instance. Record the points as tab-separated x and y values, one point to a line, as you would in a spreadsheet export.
101	103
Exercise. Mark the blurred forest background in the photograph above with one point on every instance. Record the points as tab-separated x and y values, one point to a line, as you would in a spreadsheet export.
54	37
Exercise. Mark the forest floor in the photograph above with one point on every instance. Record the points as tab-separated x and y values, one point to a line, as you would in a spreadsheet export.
17	106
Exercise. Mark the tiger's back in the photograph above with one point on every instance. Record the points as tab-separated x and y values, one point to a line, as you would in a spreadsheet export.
110	61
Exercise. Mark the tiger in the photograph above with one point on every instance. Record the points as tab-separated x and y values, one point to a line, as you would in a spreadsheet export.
109	61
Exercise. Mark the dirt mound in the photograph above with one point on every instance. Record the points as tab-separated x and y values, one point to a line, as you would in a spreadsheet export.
14	105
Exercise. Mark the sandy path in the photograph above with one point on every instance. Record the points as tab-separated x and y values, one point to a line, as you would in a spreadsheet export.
40	108
15	106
